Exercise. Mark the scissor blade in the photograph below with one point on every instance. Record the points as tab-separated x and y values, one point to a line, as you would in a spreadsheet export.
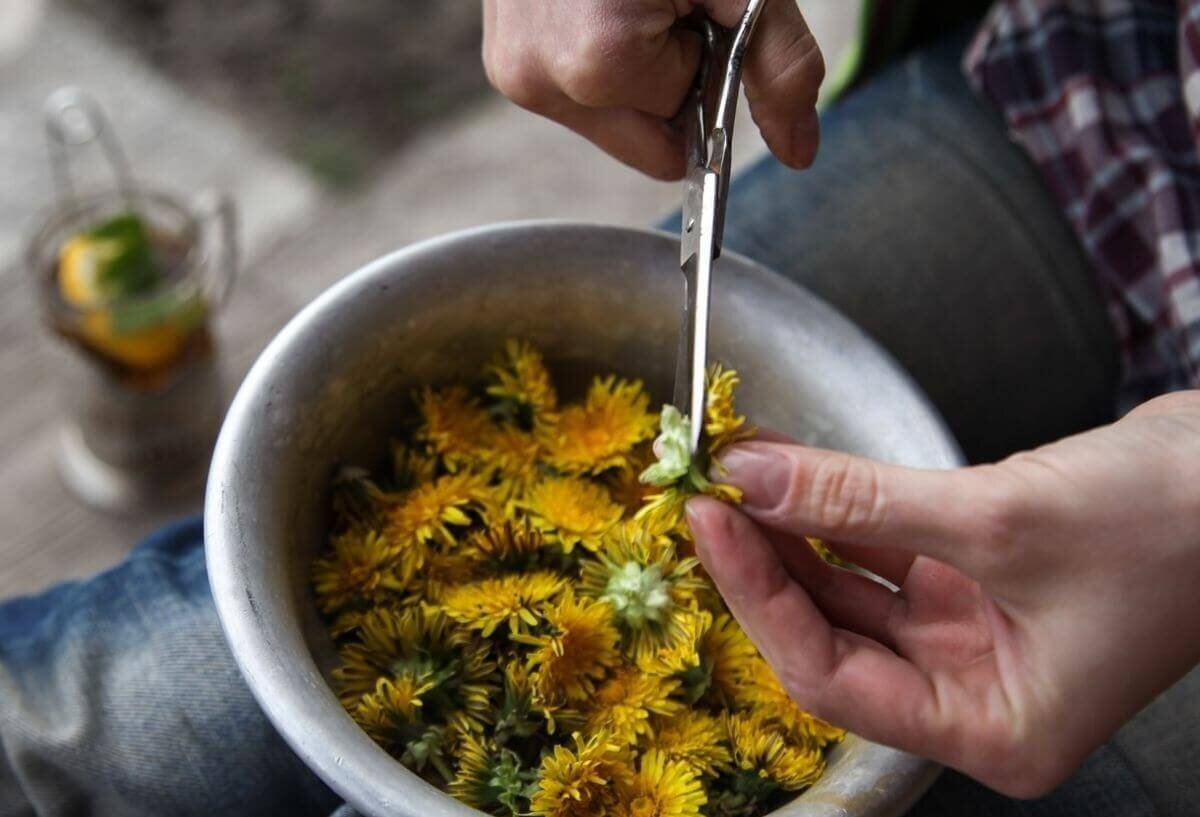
697	264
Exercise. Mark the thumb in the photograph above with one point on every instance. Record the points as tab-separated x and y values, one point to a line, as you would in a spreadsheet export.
948	515
783	74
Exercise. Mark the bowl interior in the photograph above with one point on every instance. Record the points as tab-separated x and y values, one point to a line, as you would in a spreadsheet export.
331	389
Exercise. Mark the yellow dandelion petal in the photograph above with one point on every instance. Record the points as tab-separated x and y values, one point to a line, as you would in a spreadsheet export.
661	787
430	511
722	424
411	466
762	747
664	511
578	649
680	656
516	600
363	568
507	544
623	705
521	376
579	781
513	454
571	511
695	738
731	655
440	571
759	689
602	432
454	424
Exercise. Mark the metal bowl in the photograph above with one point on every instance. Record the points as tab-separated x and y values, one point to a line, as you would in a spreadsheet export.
595	299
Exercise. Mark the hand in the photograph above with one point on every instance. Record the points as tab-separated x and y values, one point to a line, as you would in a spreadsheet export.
617	72
1043	600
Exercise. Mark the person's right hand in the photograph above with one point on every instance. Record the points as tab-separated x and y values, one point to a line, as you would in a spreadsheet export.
617	72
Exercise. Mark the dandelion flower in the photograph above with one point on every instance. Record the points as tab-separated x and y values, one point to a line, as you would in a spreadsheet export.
515	599
602	432
511	545
391	714
521	377
648	587
571	511
454	426
430	511
578	649
578	782
694	738
363	569
762	747
417	646
661	787
488	777
622	706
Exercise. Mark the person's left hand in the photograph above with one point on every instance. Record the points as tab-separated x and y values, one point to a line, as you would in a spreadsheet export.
1042	601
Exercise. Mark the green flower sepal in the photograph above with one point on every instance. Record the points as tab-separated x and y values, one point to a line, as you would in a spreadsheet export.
676	465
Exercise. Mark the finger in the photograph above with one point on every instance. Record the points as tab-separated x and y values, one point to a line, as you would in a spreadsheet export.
642	141
514	67
783	73
650	69
841	498
847	600
840	676
891	565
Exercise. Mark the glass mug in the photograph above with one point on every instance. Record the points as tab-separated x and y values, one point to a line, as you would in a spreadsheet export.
143	398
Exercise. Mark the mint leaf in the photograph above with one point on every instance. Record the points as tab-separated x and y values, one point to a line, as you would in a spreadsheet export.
129	266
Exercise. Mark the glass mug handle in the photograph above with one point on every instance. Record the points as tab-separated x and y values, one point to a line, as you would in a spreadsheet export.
217	217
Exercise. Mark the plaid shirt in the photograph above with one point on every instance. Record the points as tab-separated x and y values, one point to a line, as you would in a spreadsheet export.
1104	96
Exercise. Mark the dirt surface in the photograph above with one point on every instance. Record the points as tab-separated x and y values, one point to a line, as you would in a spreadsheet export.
337	84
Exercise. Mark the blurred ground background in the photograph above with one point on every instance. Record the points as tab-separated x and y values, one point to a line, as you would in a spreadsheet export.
342	130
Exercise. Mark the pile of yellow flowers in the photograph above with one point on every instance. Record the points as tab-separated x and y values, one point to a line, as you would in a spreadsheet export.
521	620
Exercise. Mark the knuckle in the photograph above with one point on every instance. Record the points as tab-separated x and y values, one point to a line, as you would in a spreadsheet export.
846	495
516	76
1001	506
584	72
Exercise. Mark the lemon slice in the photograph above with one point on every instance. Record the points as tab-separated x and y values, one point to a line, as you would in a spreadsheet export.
81	263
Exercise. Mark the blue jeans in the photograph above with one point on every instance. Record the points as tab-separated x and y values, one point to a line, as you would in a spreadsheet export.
118	695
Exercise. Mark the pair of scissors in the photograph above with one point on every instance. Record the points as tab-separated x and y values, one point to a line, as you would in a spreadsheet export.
709	114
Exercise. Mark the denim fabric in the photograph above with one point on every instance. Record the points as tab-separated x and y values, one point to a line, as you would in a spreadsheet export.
118	696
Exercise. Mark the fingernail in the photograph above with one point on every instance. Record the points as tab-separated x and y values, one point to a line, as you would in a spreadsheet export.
761	474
